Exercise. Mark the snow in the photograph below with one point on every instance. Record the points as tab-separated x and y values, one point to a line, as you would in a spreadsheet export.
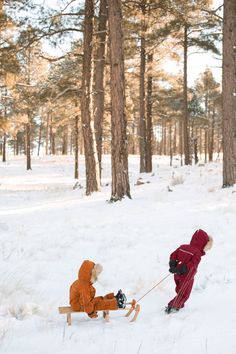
47	229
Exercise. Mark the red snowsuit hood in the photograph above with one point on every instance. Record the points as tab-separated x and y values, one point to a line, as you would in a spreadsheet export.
199	240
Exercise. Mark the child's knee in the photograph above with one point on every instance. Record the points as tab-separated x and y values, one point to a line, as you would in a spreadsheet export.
109	296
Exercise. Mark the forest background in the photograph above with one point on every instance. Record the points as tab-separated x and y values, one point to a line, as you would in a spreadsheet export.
80	96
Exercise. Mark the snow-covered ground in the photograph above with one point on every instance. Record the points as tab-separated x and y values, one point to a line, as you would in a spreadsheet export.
47	229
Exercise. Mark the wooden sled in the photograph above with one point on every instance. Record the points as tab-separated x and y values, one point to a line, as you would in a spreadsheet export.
67	310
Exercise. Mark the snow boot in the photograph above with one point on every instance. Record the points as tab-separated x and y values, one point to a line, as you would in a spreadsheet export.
121	299
170	309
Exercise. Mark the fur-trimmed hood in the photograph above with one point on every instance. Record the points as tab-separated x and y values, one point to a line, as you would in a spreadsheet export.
89	271
97	269
209	244
202	241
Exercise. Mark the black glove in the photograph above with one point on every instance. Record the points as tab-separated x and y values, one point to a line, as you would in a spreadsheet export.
182	269
173	270
172	263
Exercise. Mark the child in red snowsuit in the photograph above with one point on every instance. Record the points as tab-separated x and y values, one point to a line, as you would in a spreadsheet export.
183	264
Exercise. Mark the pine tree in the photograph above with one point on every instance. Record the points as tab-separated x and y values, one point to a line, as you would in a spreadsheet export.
229	93
99	94
208	90
120	176
196	29
90	148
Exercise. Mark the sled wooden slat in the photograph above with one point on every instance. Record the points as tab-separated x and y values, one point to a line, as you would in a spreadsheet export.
67	310
137	310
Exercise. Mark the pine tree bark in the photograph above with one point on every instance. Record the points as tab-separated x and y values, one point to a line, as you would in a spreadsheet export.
51	137
28	144
185	100
181	141
170	144
195	150
229	93
4	138
142	113
99	79
175	138
206	144
4	147
149	132
212	135
47	133
90	148
17	143
119	150
200	142
76	174
40	136
65	141
164	137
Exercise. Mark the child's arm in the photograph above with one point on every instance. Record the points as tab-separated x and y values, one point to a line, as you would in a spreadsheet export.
193	263
87	303
173	261
187	261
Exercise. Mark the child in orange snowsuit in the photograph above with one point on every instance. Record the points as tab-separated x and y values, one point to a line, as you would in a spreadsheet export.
82	293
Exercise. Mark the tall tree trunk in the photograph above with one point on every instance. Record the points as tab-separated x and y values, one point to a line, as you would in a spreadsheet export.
53	144
164	138
4	147
90	148
51	137
219	137
14	145
195	149
71	141
76	147
212	134
47	133
28	144
4	134
149	116
229	93
119	149
133	139
99	79
175	138
65	141
200	142
17	144
170	143
181	141
185	99
206	145
142	115
40	136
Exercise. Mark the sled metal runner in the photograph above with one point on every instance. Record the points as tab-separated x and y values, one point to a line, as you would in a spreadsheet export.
132	306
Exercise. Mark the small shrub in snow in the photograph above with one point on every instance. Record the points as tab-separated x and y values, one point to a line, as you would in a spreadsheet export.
175	180
3	332
22	311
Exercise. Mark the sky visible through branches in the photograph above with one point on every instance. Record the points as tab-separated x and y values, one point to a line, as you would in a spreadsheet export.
197	62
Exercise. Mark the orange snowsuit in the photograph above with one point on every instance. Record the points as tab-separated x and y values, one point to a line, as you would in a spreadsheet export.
82	293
